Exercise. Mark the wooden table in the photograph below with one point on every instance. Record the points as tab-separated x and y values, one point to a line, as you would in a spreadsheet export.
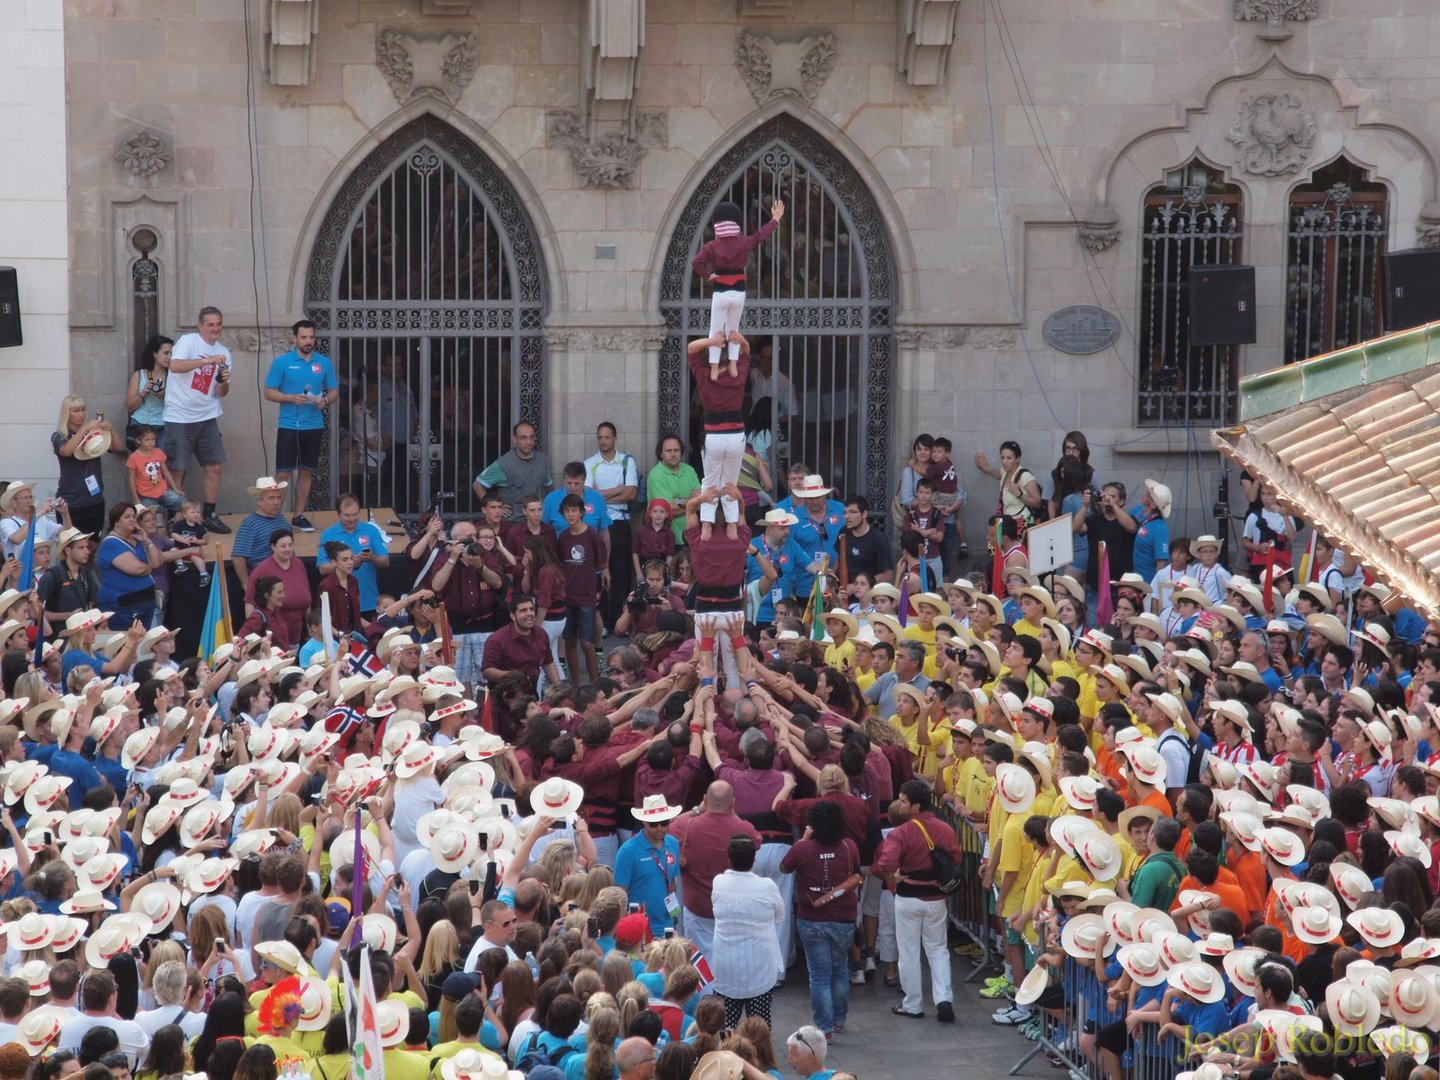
307	544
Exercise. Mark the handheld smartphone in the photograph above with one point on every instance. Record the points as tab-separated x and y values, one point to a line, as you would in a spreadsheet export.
484	841
592	927
219	944
475	884
669	931
634	908
505	811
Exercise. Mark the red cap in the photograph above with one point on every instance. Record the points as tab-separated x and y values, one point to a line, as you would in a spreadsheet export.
632	930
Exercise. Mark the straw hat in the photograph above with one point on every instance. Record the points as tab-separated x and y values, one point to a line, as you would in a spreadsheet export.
1201	542
1351	883
342	848
416	759
655	809
1132	581
1119	916
1261	774
158	901
1352	1008
1175	949
31	931
39	1028
283	955
208	875
1100	855
1146	763
1015	788
138	746
454	846
1240	966
780	516
393	1018
379	931
1316	925
1082	935
1401	1039
1042	597
158	821
1380	927
1036	981
86	902
1406	845
1199	981
1142	963
201	819
1080	791
1282	846
100	873
316	1004
266	484
93	445
1195	596
1413	1001
557	798
1160	496
1129	816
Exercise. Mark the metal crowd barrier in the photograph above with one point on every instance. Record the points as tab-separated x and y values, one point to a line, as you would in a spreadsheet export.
971	910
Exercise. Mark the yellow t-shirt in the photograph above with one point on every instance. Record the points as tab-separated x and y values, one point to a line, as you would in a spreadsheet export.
1067	869
1017	856
1034	892
927	757
864	679
1026	627
405	1065
914	632
838	656
331	1067
977	786
285	1049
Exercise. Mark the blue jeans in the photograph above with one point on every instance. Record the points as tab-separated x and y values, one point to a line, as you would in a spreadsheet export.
827	956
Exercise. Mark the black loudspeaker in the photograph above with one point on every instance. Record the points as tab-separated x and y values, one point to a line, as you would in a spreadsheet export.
1222	305
1412	288
9	309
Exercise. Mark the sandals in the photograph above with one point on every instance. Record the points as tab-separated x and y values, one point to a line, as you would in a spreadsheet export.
900	1010
892	981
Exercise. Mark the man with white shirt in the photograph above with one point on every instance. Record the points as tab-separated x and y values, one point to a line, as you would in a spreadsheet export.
616	477
497	931
173	1004
193	407
98	999
64	981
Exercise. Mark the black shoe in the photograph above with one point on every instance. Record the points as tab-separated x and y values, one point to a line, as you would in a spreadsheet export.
215	525
301	522
945	1012
899	1010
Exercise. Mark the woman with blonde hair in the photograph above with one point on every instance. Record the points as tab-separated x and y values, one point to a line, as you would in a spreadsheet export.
598	877
757	1032
585	982
163	952
284	814
632	1000
571	890
206	927
81	487
439	960
600	1036
556	863
615	971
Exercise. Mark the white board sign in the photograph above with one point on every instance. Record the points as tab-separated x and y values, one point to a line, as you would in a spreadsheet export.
1052	545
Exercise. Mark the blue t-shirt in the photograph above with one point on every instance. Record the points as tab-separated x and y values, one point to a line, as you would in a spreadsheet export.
1152	543
252	538
114	582
113	773
296	374
647	874
816	539
308	651
82	774
597	514
1202	1019
69	661
366	537
789	561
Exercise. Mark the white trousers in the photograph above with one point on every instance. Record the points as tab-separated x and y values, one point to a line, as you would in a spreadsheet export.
721	458
553	630
711	624
727	308
921	925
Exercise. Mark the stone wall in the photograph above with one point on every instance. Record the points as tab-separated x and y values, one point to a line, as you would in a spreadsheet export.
1121	92
35	376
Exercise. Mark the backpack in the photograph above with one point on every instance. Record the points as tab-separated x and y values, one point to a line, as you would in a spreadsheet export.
948	875
532	1056
1194	757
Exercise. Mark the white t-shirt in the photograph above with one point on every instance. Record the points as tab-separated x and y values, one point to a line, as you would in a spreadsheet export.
152	1020
414	798
190	397
134	1040
14	530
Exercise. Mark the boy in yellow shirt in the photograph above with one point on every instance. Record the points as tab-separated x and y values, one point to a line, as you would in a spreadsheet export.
841	626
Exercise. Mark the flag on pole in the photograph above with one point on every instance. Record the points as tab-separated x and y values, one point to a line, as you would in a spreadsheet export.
1104	602
1269	585
327	629
216	629
998	573
903	614
26	581
844	569
367	1057
815	612
924	574
360	874
447	640
1307	561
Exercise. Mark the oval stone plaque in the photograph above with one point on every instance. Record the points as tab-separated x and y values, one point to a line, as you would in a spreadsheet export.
1081	329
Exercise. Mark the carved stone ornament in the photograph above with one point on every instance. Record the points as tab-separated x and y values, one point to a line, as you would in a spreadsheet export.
143	155
290	36
629	340
264	340
785	68
926	30
1275	13
1427	229
984	338
609	159
430	63
1274	135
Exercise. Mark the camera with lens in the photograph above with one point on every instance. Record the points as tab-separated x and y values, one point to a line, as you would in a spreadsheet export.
474	549
639	600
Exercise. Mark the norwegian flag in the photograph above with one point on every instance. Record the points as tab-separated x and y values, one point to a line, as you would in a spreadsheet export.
361	660
700	964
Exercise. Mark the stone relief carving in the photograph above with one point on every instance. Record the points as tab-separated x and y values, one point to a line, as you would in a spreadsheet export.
143	155
432	63
1098	238
1427	229
985	338
785	68
264	339
607	159
615	36
926	30
1274	134
634	339
1274	13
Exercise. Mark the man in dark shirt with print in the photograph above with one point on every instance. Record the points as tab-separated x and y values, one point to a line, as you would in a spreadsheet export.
864	549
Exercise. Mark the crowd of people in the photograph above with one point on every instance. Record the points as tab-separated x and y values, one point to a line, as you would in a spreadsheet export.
1201	804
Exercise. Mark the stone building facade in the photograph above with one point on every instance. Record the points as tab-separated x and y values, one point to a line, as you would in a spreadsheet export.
490	206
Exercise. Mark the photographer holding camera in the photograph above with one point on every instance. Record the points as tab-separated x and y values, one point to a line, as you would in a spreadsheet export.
643	606
470	581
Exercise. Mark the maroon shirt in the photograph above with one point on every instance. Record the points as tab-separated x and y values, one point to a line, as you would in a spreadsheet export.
722	399
704	854
719	567
905	850
725	257
509	650
344	603
674	783
515	535
651	543
550	593
297	595
582	555
819	869
855	809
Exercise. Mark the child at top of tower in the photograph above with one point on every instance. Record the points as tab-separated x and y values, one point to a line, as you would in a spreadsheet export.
722	263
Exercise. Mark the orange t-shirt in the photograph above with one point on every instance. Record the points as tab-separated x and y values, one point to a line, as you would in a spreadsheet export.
1158	800
1182	848
1249	874
1231	895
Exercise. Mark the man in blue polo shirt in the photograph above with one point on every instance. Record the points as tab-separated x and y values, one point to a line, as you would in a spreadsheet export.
783	554
647	865
818	531
302	383
1151	553
597	514
71	729
367	541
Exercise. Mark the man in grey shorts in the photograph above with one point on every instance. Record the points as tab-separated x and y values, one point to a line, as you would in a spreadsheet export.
193	407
